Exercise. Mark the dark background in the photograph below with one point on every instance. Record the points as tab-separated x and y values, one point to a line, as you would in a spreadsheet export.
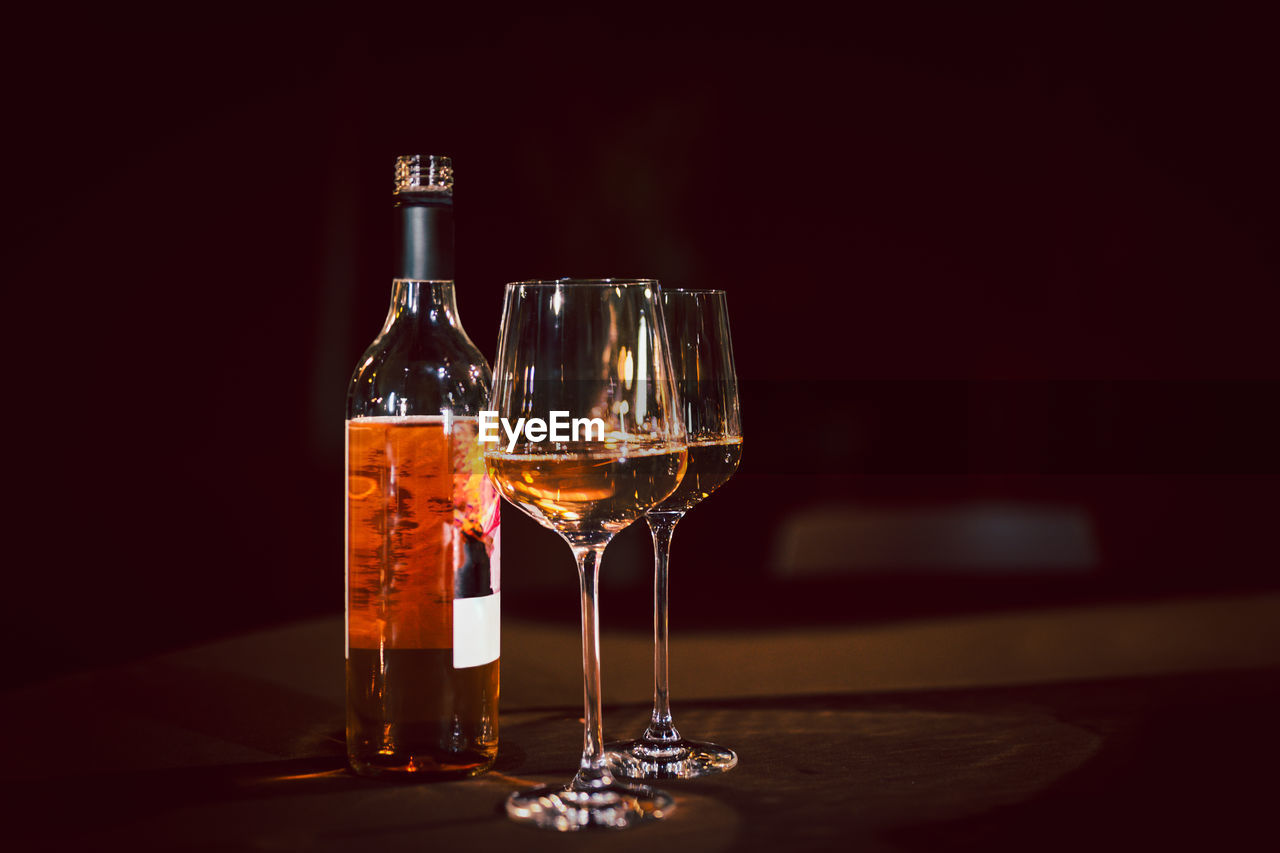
975	256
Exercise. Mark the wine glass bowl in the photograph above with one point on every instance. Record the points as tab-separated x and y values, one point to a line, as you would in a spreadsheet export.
702	358
589	437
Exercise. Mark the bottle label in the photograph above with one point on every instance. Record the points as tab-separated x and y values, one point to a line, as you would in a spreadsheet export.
423	527
476	633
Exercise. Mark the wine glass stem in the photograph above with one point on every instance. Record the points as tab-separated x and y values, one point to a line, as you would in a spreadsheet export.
662	526
592	770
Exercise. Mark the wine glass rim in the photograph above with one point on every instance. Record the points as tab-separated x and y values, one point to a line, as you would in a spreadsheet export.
585	282
694	291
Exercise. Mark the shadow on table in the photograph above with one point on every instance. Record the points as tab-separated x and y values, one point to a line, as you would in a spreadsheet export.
1027	767
1190	766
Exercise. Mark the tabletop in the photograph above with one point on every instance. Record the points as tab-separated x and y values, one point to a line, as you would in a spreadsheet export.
1101	726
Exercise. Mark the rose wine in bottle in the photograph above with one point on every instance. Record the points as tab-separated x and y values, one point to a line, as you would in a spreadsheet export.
422	556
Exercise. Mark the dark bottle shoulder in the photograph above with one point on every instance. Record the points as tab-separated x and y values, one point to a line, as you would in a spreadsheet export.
419	374
421	351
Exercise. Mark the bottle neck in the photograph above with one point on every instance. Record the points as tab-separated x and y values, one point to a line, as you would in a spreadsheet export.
424	229
429	303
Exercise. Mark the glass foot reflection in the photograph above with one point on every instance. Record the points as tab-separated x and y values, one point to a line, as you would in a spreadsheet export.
679	759
611	806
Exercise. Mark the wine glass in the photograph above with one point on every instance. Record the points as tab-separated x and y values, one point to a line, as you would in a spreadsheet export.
702	355
588	358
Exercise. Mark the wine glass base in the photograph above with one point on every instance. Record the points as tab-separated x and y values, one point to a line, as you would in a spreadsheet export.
564	808
681	759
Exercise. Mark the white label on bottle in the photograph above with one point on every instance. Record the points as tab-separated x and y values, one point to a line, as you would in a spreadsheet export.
475	630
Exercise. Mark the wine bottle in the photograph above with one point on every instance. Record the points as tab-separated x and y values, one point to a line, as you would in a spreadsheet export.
422	554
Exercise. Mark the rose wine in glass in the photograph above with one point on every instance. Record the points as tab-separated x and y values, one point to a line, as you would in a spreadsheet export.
596	352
